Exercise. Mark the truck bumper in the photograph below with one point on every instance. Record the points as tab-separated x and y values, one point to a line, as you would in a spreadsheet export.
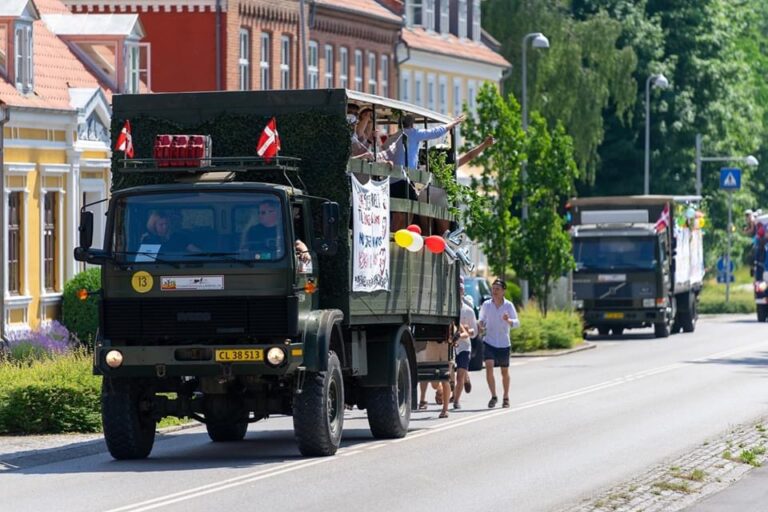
625	317
197	360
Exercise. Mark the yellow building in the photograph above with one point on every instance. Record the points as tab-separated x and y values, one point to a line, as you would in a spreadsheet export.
443	58
56	85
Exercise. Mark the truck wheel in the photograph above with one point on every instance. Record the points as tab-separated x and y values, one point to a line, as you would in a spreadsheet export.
318	411
129	429
661	329
227	432
688	318
762	312
603	331
617	331
389	407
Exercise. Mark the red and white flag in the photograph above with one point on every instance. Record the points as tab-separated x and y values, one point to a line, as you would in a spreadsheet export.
663	221
124	140
269	142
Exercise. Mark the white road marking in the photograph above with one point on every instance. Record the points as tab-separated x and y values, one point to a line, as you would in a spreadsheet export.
214	487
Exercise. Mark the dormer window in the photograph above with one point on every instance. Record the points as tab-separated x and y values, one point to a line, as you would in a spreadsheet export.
132	68
22	49
462	15
429	14
476	29
444	17
421	13
4	49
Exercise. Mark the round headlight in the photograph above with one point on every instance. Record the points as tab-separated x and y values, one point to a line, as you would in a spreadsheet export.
114	359
763	286
275	356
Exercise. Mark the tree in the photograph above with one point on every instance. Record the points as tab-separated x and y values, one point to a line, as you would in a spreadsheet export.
494	226
541	249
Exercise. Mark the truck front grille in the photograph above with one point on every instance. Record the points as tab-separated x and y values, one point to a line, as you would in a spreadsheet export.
187	319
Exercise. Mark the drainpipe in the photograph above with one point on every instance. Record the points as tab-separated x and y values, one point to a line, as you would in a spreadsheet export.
217	45
5	115
303	44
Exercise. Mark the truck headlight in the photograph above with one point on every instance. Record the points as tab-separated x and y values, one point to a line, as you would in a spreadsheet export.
275	356
578	304
649	303
114	359
762	286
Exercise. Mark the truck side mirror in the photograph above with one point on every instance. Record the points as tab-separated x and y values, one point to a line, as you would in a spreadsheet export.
86	229
329	244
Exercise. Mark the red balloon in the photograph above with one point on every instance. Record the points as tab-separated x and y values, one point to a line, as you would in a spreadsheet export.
435	244
414	228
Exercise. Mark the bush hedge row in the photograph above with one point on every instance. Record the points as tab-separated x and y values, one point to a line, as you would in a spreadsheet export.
80	317
558	330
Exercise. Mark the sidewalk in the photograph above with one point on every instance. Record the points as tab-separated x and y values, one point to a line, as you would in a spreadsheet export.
749	494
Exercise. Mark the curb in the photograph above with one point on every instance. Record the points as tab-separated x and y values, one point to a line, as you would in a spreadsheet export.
29	458
550	353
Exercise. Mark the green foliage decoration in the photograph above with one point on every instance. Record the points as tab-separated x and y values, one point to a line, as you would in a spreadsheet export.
81	318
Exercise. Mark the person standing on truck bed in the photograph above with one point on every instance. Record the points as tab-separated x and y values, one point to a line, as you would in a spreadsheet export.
160	231
496	317
415	136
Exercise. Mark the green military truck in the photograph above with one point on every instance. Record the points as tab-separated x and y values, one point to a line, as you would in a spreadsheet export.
206	309
639	262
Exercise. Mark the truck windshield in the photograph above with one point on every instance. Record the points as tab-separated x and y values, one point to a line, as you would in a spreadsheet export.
611	253
199	226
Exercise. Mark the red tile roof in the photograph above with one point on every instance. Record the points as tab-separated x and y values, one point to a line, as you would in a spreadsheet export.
56	69
448	44
364	7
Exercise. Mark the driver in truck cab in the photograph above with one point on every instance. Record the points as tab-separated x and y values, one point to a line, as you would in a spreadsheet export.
161	231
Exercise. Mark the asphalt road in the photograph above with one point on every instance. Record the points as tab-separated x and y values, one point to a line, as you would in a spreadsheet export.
578	424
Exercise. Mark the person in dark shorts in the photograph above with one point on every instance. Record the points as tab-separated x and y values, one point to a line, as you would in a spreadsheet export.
467	330
497	316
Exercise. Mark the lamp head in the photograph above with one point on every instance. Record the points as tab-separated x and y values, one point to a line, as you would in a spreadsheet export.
540	41
751	161
660	81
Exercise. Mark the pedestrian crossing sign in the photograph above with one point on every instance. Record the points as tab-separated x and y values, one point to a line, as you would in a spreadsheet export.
730	178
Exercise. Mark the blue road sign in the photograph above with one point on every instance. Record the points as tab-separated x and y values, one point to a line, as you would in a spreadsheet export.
730	178
721	264
721	277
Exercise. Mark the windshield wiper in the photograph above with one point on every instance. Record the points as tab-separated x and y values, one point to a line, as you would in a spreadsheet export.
226	256
152	255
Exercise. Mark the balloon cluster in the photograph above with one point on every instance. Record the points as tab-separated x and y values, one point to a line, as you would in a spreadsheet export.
410	239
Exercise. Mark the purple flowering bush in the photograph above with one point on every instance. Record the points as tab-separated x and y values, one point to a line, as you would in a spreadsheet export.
47	341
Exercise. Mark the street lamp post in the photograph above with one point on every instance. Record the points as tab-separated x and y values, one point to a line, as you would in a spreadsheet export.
749	160
539	40
660	81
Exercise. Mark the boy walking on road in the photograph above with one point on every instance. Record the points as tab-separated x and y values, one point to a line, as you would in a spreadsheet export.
497	316
467	331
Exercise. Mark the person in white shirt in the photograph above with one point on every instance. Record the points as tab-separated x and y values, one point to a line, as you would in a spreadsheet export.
467	331
497	316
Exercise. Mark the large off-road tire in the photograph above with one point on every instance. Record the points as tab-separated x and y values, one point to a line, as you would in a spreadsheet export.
688	318
129	429
227	432
617	331
389	407
661	329
603	331
762	312
318	411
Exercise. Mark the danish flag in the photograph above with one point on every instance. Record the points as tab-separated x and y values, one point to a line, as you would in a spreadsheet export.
269	142
663	221
124	140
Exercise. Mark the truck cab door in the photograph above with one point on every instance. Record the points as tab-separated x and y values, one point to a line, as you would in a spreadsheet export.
663	262
306	272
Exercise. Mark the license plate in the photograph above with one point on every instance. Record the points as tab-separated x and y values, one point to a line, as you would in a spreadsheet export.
239	355
614	316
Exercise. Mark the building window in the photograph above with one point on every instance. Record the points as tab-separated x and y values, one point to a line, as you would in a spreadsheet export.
23	69
343	67
456	96
329	66
372	73
476	30
445	26
358	70
245	59
50	239
442	95
285	62
414	13
429	14
4	49
14	243
418	89
145	64
385	76
313	73
471	88
132	69
462	18
264	61
431	92
405	86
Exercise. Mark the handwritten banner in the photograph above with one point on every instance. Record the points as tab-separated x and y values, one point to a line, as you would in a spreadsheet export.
370	229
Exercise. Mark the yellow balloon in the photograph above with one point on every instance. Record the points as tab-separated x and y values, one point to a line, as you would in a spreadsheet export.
403	238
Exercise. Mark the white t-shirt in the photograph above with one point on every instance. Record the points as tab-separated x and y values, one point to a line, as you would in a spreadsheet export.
467	318
496	329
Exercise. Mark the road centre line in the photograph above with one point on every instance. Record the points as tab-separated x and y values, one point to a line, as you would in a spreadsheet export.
206	489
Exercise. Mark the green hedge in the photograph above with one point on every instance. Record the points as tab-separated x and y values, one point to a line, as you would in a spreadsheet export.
81	318
558	330
49	396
